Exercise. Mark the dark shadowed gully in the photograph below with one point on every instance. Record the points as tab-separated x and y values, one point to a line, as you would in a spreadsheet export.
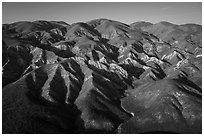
101	76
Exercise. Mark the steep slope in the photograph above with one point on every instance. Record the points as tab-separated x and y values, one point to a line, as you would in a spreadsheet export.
165	106
102	76
37	103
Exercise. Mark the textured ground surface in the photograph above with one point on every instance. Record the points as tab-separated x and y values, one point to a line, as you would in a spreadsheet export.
101	76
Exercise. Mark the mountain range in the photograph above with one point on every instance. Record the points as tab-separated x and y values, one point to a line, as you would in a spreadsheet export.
101	76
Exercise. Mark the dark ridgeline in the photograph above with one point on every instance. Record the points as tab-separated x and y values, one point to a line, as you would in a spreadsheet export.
101	76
